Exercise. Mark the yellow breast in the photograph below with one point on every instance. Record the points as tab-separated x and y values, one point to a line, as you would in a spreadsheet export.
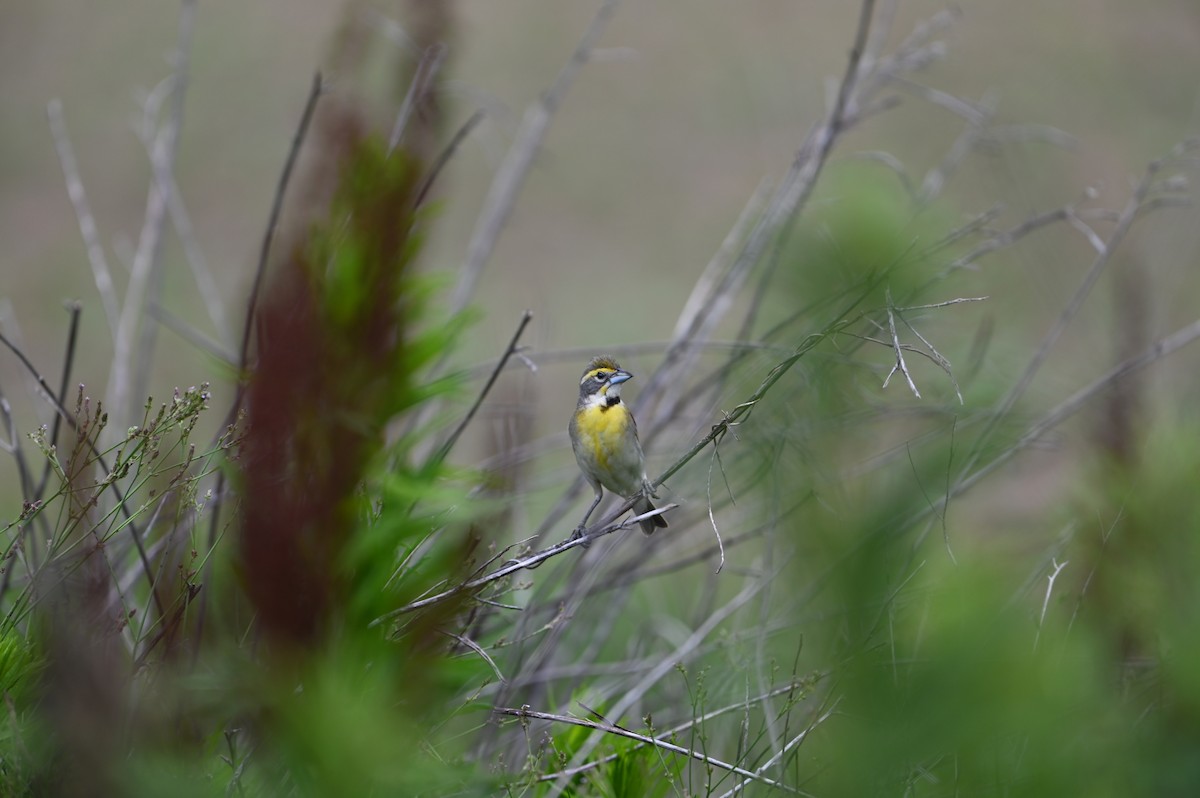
603	431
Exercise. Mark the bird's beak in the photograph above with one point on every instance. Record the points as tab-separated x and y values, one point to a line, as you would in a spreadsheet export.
619	377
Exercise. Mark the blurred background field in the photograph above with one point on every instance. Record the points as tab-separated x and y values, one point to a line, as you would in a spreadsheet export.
645	168
845	574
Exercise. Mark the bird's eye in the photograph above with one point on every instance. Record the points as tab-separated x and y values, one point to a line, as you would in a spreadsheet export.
602	375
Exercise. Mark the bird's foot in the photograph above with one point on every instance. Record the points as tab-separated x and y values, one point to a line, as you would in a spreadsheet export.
581	532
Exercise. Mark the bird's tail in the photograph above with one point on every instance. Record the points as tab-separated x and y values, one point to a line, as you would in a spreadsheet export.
648	524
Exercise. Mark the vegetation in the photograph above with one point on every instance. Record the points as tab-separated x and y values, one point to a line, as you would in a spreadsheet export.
330	595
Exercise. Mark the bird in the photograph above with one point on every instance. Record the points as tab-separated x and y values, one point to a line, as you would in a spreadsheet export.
605	440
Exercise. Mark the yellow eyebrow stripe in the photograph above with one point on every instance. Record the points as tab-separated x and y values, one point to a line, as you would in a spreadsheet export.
593	373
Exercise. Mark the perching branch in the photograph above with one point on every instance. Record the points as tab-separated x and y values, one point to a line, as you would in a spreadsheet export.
605	527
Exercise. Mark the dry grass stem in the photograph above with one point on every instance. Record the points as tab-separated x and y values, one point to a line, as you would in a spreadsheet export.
608	728
101	274
510	177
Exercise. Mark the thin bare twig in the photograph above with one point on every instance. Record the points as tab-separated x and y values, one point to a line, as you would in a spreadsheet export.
710	300
946	493
264	255
892	163
13	447
201	273
1006	238
101	274
532	561
131	358
1074	403
445	155
977	121
712	519
625	575
1046	601
790	196
1104	536
508	350
92	447
742	411
810	160
478	649
193	336
1123	224
947	303
936	357
427	69
717	279
608	728
1083	227
900	365
675	730
502	195
164	181
666	664
61	410
1002	239
1032	133
74	308
791	745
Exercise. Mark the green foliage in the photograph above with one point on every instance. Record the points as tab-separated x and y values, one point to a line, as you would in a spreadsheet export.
20	663
1137	520
353	707
955	697
339	522
629	773
971	676
352	731
859	637
97	495
21	735
861	228
104	507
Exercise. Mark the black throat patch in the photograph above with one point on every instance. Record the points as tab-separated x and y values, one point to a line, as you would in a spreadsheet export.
609	401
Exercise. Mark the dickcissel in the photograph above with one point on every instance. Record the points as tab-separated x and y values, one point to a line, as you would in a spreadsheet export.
604	437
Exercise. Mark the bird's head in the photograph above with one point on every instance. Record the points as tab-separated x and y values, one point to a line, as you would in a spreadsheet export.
602	379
